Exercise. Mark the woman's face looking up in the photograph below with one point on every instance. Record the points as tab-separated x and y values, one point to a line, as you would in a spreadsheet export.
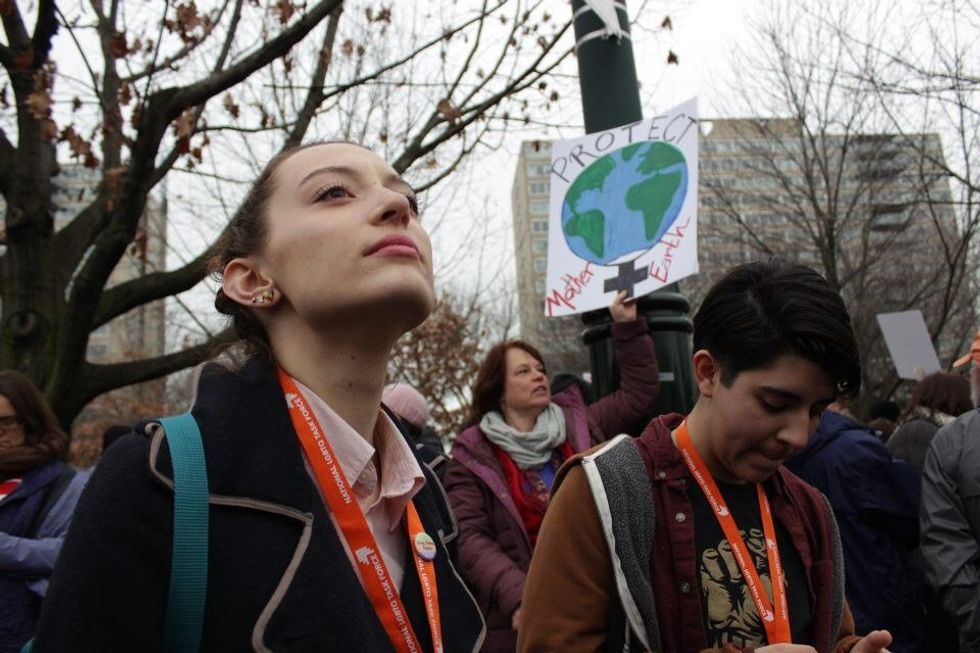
344	239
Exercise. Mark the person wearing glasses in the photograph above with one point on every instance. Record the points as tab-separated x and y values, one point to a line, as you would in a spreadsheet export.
38	493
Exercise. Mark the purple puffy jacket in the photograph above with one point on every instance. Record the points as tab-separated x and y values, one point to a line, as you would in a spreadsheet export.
494	549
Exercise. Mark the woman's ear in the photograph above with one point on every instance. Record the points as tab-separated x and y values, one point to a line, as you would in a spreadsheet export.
707	372
242	281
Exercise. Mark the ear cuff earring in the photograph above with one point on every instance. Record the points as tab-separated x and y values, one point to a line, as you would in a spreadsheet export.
264	298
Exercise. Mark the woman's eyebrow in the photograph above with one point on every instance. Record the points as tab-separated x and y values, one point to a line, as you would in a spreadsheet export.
390	180
337	170
395	179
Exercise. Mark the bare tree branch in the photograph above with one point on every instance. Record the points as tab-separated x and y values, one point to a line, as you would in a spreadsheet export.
103	378
141	290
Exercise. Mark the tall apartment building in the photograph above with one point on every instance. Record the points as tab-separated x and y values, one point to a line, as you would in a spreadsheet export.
140	333
558	338
760	192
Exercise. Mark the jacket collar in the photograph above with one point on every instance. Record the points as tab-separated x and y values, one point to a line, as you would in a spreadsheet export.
36	480
249	443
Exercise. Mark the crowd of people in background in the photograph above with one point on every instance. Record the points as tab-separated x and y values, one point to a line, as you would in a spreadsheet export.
768	519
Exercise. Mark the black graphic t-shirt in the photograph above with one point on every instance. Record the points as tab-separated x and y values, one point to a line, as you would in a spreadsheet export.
727	607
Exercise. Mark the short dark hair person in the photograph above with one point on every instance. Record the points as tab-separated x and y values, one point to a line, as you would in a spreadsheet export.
761	311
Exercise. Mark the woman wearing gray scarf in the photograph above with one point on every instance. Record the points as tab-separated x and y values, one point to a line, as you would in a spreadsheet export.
505	462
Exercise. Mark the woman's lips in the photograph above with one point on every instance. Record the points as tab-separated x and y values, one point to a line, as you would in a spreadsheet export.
394	246
396	250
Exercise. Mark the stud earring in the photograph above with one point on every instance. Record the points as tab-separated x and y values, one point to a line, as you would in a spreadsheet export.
265	297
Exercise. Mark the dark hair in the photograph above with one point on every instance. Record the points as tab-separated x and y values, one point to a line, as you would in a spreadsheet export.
943	391
245	235
488	389
760	311
564	380
44	441
884	408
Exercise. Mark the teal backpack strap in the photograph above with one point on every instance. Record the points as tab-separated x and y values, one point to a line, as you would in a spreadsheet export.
189	565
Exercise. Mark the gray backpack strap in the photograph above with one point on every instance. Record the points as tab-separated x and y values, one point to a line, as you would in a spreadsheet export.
837	557
623	497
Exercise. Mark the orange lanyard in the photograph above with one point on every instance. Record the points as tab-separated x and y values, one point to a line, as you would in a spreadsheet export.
370	565
775	622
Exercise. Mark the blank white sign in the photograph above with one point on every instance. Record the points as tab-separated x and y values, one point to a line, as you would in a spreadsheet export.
909	344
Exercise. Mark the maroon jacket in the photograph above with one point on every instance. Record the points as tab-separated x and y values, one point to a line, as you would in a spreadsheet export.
573	600
494	549
801	510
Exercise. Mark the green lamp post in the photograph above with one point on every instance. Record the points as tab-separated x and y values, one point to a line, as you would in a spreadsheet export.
611	98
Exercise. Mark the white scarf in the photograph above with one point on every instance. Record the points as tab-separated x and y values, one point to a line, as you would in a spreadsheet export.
531	449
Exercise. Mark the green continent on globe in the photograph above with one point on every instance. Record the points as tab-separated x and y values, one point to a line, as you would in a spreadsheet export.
652	197
659	156
592	178
630	150
591	227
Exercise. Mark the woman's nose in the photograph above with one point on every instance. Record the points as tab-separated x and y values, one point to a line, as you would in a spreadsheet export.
395	207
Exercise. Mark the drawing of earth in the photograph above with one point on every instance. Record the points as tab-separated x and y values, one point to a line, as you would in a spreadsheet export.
621	205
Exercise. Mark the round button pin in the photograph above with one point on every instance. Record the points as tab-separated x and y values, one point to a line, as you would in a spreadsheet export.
425	546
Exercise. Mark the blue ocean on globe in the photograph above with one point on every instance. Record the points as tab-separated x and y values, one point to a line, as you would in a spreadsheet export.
624	202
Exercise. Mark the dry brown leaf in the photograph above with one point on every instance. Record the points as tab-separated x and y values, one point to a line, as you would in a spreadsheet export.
448	111
117	45
49	130
284	10
230	106
187	17
39	103
184	125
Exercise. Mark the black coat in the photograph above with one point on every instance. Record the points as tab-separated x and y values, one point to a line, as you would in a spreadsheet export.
279	578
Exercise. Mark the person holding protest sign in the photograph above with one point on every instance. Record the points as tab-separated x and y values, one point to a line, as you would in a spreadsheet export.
504	464
326	533
693	537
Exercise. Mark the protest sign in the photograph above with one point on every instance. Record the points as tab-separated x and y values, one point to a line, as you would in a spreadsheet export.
909	344
623	211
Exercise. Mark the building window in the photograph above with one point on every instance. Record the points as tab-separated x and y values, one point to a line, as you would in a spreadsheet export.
539	206
539	245
540	264
538	169
889	217
539	188
539	286
539	226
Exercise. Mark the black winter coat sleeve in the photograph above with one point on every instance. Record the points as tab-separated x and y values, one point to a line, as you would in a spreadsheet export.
110	584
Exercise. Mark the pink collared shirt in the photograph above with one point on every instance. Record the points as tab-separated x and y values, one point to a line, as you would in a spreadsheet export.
401	477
